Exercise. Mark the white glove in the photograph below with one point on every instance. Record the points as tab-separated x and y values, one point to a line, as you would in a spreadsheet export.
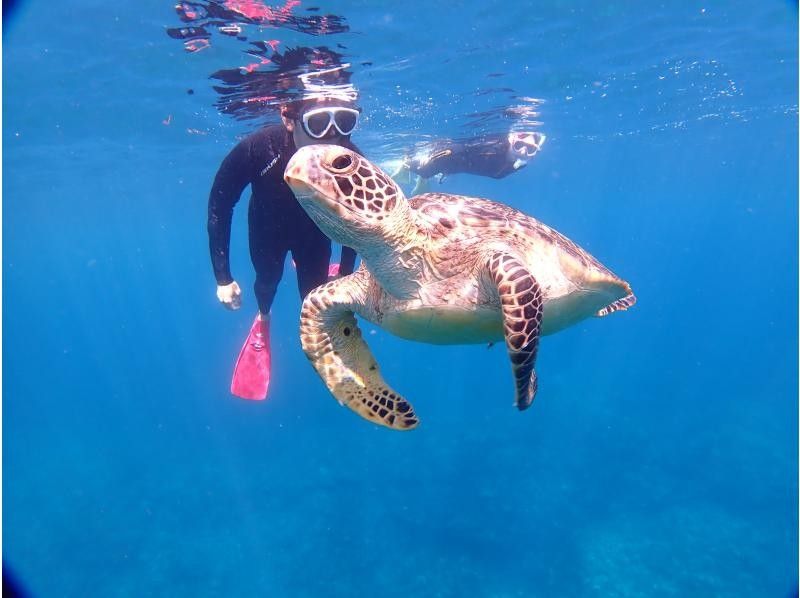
230	295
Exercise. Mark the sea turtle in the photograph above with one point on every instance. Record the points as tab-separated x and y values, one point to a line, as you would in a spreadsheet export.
438	268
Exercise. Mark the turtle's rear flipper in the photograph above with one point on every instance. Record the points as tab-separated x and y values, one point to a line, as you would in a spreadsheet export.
618	305
521	302
333	343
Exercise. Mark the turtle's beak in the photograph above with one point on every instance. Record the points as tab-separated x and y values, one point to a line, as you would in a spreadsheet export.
296	183
297	176
293	175
309	183
303	172
309	180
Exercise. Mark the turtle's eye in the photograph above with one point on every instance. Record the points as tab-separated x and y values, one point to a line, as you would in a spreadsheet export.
342	162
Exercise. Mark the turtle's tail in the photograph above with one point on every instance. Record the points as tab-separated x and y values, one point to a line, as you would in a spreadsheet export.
618	305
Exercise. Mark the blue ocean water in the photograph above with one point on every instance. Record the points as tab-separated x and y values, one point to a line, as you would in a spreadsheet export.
660	456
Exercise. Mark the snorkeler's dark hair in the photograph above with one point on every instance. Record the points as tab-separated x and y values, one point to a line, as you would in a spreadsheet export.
294	109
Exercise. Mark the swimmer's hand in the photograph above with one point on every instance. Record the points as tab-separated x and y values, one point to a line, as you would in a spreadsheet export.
230	295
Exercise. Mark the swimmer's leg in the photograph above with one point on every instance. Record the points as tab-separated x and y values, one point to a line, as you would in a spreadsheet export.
312	256
252	372
402	174
421	186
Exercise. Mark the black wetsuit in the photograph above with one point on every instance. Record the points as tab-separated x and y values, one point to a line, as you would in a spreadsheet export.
277	223
484	156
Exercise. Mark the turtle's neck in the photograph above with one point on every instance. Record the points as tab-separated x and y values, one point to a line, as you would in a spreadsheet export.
397	262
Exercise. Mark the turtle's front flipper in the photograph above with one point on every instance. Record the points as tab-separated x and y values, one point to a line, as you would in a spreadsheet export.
333	343
521	302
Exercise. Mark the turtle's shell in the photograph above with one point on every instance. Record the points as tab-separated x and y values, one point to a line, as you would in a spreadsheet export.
455	216
460	230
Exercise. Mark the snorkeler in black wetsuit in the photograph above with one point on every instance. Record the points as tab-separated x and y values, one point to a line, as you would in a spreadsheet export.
277	224
494	156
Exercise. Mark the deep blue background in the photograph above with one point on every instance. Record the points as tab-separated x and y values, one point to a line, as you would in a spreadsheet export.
660	457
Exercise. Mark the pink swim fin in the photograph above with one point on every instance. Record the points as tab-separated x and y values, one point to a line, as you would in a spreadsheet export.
252	371
333	269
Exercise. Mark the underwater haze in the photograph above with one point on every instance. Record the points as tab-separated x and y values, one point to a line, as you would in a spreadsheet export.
660	457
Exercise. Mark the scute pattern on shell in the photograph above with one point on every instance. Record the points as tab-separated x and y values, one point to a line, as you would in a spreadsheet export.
446	214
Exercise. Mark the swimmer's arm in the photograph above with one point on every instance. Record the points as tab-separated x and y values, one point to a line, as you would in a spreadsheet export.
347	261
231	179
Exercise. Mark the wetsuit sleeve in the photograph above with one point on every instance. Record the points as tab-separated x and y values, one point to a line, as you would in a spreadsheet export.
347	261
484	156
443	159
232	177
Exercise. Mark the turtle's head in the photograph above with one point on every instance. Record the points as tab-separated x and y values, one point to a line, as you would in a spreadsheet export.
353	201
